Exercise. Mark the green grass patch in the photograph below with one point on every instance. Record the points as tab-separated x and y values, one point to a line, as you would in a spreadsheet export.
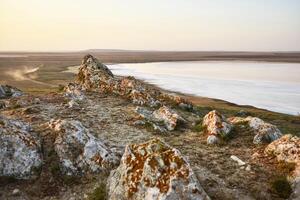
99	193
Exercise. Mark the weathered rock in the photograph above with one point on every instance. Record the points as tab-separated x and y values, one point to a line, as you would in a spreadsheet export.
287	149
153	170
78	150
73	104
7	91
74	92
168	116
92	73
95	75
20	155
264	132
162	119
2	104
216	126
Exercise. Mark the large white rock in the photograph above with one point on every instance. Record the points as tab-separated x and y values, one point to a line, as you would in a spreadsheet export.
154	170
20	155
216	126
78	150
264	132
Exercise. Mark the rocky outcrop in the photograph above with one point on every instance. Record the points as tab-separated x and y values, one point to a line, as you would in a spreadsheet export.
216	126
169	117
162	119
74	92
20	155
264	132
153	170
78	150
287	149
95	75
7	91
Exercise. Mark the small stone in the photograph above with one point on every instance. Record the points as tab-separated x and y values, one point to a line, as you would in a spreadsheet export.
248	168
16	192
239	161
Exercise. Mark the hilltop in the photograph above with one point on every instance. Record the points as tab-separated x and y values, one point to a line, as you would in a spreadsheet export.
103	136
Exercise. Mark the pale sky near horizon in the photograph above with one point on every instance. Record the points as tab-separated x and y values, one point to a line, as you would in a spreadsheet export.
221	25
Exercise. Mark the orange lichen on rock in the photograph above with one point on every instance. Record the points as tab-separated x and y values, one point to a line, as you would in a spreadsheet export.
95	75
153	168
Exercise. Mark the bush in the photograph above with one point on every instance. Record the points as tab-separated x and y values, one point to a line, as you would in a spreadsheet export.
282	187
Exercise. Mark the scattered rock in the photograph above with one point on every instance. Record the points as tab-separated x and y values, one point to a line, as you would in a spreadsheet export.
242	113
73	104
248	168
7	91
264	132
20	155
239	161
74	92
216	126
162	119
168	116
153	170
287	149
2	105
78	150
16	192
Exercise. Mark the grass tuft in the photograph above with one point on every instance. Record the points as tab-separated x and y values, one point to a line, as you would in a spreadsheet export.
282	187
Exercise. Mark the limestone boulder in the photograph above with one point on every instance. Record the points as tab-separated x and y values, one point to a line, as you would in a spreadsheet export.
168	116
154	170
216	126
20	152
163	119
79	151
287	149
263	132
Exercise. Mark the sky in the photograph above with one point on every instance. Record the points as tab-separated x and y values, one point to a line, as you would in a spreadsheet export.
204	25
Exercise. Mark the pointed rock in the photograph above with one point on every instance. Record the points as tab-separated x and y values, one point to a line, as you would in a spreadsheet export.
216	126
